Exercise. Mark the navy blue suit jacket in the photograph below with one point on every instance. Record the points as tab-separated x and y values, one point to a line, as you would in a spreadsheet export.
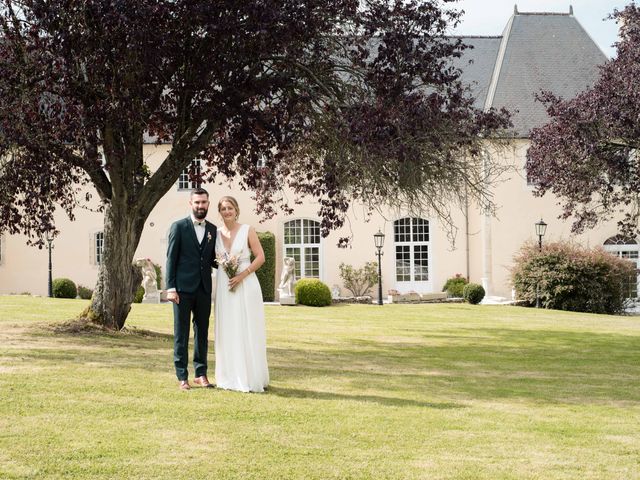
189	263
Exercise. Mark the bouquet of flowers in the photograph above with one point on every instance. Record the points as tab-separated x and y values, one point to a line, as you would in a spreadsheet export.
229	264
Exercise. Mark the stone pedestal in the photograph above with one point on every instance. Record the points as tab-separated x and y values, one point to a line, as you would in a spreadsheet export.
287	300
151	298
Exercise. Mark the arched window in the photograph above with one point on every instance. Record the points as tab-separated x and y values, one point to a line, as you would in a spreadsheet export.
628	249
411	238
302	242
620	240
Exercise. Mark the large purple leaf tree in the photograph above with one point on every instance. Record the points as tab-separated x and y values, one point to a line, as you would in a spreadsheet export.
587	155
341	100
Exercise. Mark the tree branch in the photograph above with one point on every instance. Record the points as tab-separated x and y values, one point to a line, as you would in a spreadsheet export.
179	157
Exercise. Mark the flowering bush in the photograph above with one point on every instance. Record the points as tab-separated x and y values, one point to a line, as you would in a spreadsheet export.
571	277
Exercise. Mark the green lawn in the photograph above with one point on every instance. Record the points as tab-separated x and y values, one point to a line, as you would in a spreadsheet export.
358	392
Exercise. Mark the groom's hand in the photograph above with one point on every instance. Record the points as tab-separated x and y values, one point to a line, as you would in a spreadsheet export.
173	297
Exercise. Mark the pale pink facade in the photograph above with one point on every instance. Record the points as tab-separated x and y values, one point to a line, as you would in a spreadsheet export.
491	245
535	51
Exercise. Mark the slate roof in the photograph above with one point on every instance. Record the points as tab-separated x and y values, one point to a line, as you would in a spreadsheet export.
477	65
537	51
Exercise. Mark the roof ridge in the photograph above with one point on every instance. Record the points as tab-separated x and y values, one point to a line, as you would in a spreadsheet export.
495	76
474	36
516	12
545	13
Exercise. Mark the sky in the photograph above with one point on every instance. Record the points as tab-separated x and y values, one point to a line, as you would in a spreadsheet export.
489	17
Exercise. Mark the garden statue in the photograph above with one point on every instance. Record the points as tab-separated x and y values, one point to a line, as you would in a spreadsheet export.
335	292
287	281
149	280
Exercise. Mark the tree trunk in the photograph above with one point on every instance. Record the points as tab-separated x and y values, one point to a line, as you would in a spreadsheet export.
118	279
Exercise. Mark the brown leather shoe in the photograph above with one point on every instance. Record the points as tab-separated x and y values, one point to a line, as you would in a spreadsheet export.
203	381
184	385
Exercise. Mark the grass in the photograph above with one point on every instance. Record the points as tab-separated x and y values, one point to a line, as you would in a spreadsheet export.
358	392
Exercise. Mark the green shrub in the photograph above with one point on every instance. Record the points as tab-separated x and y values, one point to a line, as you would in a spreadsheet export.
158	270
571	277
64	288
455	285
359	281
137	298
473	293
84	292
267	272
312	292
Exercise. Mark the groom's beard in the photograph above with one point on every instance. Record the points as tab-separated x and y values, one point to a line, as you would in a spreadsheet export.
200	213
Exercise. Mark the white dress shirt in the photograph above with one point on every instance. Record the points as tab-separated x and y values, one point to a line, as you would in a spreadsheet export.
199	226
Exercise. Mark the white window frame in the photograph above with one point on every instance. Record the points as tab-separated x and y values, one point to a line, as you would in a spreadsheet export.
420	286
617	249
185	184
98	248
303	246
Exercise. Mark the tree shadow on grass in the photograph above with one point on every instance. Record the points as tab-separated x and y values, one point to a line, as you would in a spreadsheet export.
131	348
386	401
544	366
487	364
84	328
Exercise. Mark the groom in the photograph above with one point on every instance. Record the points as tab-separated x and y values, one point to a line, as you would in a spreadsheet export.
191	254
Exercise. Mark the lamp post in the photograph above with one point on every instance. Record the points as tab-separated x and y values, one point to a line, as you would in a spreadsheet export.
378	240
49	239
541	229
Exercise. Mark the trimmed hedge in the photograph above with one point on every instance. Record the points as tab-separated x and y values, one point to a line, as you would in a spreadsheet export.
64	288
571	277
455	286
137	298
84	292
267	272
473	293
312	292
158	270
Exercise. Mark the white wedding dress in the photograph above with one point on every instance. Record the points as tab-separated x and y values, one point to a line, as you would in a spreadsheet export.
240	335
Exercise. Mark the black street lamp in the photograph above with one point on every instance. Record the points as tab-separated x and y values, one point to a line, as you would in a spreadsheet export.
541	229
378	239
49	239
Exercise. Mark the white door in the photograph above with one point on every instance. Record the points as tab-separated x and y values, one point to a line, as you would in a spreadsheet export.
412	255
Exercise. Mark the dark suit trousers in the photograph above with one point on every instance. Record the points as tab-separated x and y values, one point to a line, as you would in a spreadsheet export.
198	304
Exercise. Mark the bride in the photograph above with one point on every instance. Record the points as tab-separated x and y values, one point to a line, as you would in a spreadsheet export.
240	337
